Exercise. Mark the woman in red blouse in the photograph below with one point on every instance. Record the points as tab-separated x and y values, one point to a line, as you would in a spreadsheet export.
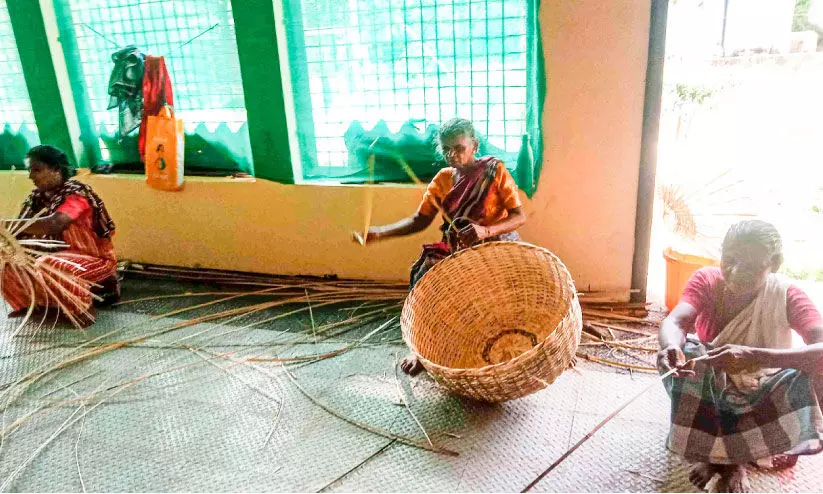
753	397
69	211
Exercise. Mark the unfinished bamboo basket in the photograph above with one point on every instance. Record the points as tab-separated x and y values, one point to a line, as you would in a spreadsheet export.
60	285
494	322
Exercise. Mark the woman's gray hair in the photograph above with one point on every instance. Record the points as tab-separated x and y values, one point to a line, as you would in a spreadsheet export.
456	127
760	233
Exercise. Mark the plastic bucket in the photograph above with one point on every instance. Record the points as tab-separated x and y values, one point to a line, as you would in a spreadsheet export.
679	269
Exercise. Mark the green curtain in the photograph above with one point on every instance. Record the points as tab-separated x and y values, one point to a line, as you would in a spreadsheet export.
378	77
398	157
217	153
197	39
536	87
18	131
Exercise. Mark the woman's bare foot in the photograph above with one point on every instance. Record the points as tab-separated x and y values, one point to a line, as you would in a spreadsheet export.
702	473
108	291
16	314
411	366
733	478
781	462
38	311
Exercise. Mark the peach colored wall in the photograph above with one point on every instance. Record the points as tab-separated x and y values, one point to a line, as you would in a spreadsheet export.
252	225
584	209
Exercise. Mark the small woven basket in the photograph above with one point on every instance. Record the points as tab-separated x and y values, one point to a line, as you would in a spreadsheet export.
494	322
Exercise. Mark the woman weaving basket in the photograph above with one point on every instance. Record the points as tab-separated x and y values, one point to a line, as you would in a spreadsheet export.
72	213
753	398
478	200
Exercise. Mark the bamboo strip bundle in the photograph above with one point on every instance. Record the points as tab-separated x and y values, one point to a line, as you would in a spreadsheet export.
375	298
600	309
376	307
89	350
311	358
302	359
372	301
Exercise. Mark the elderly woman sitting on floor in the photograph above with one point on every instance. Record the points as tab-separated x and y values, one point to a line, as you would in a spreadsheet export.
477	198
71	212
752	398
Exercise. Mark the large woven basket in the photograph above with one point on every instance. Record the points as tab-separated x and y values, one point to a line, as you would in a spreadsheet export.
494	322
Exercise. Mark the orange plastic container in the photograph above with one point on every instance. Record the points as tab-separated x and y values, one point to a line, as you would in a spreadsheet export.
679	268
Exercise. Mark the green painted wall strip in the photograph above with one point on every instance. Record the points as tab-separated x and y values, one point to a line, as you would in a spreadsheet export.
41	79
263	89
